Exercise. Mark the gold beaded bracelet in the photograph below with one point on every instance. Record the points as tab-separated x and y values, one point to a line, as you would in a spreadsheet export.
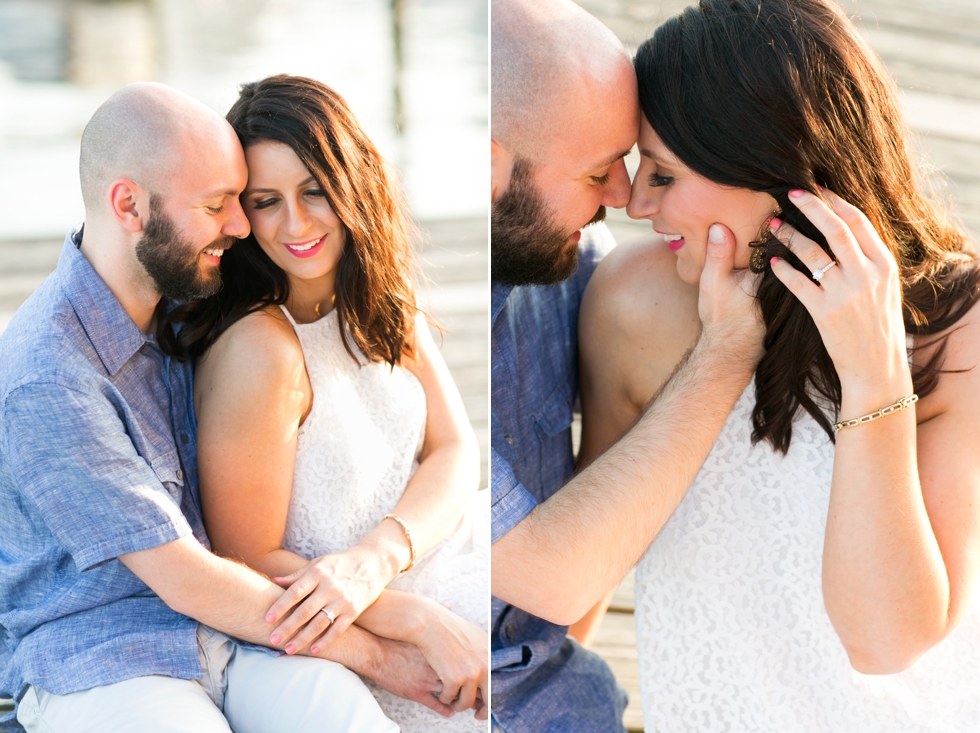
408	536
897	407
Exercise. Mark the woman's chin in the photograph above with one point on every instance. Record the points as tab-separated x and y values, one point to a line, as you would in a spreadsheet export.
687	272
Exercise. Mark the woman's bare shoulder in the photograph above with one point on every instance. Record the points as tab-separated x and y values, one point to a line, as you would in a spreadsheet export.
637	295
260	346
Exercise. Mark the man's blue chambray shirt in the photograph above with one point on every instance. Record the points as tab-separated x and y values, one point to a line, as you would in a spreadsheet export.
97	459
541	681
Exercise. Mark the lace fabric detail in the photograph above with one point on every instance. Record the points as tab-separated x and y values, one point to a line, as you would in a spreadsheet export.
355	454
732	631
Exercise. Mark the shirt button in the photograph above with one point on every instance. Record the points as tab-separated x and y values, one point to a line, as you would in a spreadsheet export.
185	438
180	475
509	630
509	439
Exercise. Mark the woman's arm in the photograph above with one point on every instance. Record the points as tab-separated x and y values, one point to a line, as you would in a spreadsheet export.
457	649
449	467
251	392
902	545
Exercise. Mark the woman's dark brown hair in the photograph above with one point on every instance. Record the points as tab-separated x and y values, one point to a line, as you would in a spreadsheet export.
773	95
375	298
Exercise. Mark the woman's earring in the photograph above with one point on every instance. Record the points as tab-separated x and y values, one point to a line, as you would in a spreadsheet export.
759	257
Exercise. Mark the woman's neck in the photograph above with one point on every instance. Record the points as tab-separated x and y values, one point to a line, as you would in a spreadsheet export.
311	300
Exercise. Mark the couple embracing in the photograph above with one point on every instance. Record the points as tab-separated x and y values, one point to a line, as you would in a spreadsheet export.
779	391
235	473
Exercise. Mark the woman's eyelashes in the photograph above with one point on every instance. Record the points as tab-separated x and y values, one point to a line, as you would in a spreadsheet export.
272	200
265	203
656	179
601	180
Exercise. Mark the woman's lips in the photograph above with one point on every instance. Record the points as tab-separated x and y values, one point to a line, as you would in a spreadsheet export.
305	249
674	241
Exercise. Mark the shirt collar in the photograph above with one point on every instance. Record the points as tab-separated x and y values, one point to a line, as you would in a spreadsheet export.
498	296
113	333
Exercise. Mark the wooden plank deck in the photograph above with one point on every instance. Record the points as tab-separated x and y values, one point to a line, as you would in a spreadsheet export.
932	49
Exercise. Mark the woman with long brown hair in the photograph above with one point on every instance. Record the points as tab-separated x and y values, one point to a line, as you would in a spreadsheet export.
818	574
335	455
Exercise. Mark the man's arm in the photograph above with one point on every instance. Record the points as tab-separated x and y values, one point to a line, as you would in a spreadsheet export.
233	599
217	592
571	549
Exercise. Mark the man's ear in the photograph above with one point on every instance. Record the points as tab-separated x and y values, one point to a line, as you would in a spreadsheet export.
129	204
501	163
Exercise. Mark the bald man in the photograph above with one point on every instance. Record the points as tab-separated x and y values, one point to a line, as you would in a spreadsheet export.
564	115
115	615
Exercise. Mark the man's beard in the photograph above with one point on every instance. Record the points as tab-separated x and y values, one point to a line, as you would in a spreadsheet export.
172	262
527	248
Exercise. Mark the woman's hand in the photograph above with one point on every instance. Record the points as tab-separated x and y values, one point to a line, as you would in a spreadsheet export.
342	585
457	650
857	303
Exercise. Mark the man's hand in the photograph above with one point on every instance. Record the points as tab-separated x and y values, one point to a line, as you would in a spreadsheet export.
730	319
403	671
457	650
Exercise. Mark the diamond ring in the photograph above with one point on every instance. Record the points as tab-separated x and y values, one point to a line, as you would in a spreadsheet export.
818	274
329	614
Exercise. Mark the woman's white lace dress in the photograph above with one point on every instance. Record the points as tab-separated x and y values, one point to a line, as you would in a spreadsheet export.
355	453
731	626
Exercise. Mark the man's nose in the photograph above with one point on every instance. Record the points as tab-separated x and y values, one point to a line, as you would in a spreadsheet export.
236	225
616	193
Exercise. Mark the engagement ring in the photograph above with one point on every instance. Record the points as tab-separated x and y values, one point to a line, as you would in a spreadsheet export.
818	274
329	614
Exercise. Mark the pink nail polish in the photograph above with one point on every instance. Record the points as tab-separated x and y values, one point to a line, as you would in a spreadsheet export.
774	260
796	193
315	650
275	639
270	617
775	223
290	649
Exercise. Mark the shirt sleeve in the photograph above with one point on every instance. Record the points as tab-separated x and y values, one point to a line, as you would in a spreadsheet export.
510	501
71	457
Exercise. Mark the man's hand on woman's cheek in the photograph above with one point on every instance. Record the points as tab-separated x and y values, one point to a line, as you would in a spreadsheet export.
730	319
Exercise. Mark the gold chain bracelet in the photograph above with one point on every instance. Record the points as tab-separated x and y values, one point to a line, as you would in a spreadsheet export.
897	407
408	536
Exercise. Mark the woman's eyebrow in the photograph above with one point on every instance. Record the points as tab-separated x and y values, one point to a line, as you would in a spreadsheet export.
659	159
311	179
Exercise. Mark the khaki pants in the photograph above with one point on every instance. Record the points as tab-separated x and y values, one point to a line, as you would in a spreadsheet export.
243	690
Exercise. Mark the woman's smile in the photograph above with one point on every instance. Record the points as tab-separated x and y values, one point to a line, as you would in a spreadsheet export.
305	249
674	241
